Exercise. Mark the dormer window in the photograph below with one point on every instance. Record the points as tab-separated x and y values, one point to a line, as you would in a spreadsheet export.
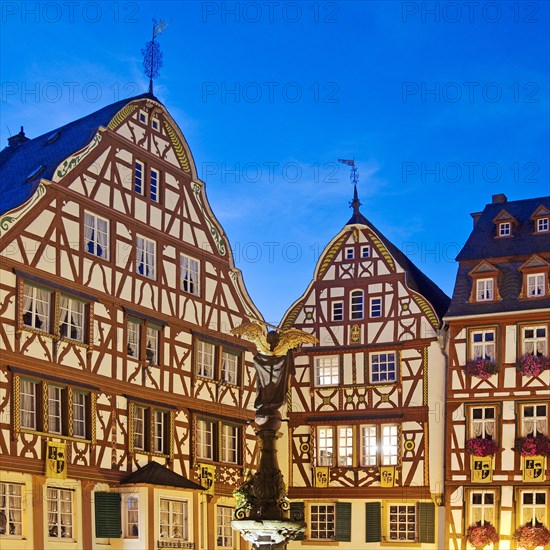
535	285
484	283
541	219
535	278
484	290
504	229
542	225
504	224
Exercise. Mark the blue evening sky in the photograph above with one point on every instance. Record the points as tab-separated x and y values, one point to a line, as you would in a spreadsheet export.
442	104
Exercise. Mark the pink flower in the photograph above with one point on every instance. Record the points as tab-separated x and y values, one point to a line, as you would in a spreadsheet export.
481	368
482	535
479	446
532	365
532	446
530	537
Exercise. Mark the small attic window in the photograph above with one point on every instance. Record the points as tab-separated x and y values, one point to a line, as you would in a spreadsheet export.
542	225
143	117
52	137
35	173
504	229
155	123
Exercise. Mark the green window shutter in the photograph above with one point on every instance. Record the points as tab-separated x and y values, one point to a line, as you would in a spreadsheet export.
107	516
426	521
374	522
343	521
297	514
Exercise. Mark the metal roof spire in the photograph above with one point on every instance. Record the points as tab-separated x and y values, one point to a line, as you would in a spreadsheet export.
152	56
354	178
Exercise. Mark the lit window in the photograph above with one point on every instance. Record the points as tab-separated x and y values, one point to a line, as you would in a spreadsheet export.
28	395
535	340
535	285
383	367
146	257
482	507
36	308
60	513
227	437
325	446
322	522
368	446
327	371
376	307
402	522
504	229
349	253
11	509
71	322
131	517
154	185
542	225
482	422
379	445
138	177
205	439
389	445
338	311
96	236
484	290
482	344
173	521
229	367
224	532
534	420
230	442
533	508
345	446
357	304
365	252
190	281
54	409
205	359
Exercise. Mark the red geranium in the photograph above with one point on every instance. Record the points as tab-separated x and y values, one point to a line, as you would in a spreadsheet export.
530	364
478	446
482	535
481	368
530	537
533	446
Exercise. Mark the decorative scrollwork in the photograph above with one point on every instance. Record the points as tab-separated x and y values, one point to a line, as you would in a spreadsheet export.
242	513
284	505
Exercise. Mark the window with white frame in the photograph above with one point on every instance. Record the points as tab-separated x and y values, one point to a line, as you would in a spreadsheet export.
365	251
484	290
138	177
504	229
224	532
154	183
345	446
534	419
143	116
322	521
482	422
190	275
327	370
11	509
139	427
533	508
28	396
338	311
369	446
173	520
151	430
152	344
96	235
136	329
36	307
350	253
133	331
205	439
155	123
205	359
79	414
217	441
146	257
130	516
535	340
229	443
402	525
335	441
325	446
389	448
542	225
376	307
481	507
55	409
230	363
356	303
160	432
71	320
482	344
535	285
383	367
60	513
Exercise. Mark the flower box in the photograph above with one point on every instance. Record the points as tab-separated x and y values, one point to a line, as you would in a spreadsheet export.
533	446
528	537
532	365
481	368
480	536
478	446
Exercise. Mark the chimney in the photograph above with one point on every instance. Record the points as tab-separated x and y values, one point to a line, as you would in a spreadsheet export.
501	197
476	216
17	139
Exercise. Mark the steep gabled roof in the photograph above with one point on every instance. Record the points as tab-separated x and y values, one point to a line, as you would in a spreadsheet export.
154	473
19	177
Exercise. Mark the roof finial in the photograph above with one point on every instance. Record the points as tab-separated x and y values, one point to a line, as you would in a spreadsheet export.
354	177
152	56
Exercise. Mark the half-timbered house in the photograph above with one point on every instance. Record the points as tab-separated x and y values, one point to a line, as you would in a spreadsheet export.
498	391
124	399
365	431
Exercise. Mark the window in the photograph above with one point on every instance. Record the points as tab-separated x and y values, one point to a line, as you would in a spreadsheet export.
71	320
504	229
482	344
230	442
152	344
96	236
534	340
402	522
532	508
143	117
131	517
60	513
482	422
133	333
224	533
325	446
383	367
36	307
135	328
484	290
151	431
155	123
345	446
365	252
138	177
54	409
217	441
341	446
322	522
28	395
229	367
379	445
481	507
11	508
327	370
535	285
542	225
376	307
145	257
357	304
338	311
173	519
534	420
79	414
350	253
190	281
205	359
154	185
205	439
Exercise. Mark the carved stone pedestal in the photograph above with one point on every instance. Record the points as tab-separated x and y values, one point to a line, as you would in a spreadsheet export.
269	534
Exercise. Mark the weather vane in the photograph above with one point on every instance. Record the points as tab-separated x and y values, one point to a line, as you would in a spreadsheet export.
152	56
354	178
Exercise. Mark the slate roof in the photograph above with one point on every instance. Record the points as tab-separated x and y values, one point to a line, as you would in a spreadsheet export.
507	254
416	279
154	473
18	162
